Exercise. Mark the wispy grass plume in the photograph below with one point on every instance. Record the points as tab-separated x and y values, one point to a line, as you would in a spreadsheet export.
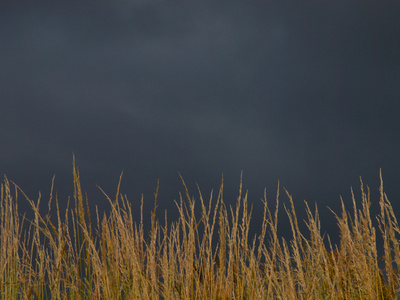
205	255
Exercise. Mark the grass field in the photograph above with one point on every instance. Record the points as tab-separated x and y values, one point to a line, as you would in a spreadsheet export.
84	256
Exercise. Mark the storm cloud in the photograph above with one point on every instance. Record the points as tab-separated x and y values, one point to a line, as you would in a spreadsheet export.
302	92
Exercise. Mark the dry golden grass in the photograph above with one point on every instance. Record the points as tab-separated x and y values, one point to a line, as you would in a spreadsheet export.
212	257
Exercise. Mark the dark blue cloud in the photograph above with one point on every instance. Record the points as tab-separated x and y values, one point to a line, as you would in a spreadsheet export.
302	92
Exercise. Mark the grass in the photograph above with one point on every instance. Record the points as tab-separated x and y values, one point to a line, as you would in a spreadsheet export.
79	256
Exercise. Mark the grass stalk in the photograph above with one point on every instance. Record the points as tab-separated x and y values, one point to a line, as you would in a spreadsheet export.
209	255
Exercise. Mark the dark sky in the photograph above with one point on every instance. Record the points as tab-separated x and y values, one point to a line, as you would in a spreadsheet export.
304	92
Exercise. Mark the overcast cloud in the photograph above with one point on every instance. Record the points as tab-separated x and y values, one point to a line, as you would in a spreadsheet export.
305	92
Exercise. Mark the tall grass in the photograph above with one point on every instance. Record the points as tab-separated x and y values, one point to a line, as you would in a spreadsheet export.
109	256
